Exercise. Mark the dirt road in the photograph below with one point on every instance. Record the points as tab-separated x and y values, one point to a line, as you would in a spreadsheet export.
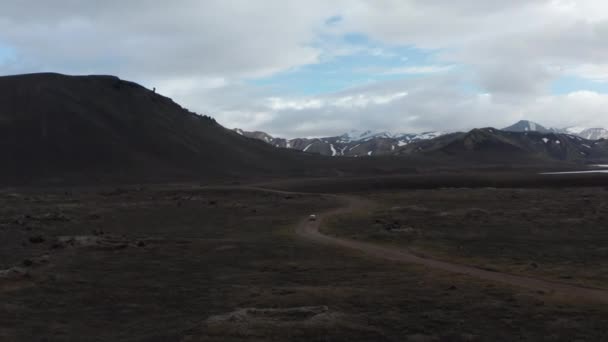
310	230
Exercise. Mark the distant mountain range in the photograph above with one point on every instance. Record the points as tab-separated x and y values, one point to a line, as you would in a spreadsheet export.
369	143
351	144
489	144
585	133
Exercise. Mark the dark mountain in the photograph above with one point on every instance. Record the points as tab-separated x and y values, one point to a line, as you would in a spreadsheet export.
599	152
492	145
58	127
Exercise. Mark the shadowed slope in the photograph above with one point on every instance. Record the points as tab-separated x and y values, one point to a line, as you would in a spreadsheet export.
64	127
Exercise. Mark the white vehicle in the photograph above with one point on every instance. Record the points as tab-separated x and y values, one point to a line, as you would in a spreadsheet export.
312	217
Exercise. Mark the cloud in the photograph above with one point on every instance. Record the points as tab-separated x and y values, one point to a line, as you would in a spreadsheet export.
493	61
184	38
584	108
593	72
416	70
403	105
412	105
513	47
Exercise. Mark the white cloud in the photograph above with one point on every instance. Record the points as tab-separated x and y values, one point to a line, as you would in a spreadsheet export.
414	105
183	38
508	45
203	52
579	108
417	70
593	72
277	104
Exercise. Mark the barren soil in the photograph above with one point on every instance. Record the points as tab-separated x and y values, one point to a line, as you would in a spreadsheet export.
200	264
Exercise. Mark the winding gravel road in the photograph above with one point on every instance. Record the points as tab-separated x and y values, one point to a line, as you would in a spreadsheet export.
309	230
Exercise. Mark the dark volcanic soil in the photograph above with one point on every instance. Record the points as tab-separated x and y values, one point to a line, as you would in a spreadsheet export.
558	234
192	264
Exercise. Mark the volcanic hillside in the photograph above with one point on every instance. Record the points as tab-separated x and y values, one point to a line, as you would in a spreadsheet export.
56	127
101	129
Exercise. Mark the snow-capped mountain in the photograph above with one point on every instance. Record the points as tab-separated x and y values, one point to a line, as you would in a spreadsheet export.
257	135
529	126
489	144
583	132
576	130
593	133
373	143
351	144
356	135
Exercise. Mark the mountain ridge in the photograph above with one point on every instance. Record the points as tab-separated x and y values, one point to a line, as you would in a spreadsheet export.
59	127
348	144
370	143
491	145
593	133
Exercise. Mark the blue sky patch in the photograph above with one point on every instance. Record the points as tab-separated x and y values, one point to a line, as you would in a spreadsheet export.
569	84
365	62
7	54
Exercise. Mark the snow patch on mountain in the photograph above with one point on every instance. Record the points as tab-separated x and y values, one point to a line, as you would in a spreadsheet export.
333	150
575	130
361	142
356	135
594	134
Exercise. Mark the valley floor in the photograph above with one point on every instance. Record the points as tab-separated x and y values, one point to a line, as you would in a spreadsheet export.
224	264
557	234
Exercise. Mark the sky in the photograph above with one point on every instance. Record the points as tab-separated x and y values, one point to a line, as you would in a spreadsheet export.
297	68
